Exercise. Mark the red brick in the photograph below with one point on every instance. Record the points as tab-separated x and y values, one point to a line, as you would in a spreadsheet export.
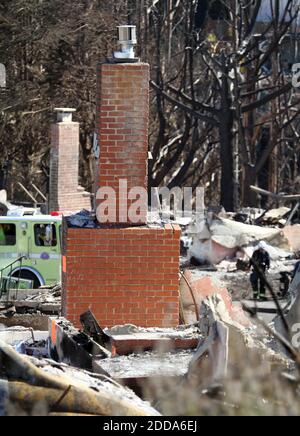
122	289
64	169
126	275
122	125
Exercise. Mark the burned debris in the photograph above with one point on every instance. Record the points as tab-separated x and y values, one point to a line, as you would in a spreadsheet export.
46	388
44	301
111	306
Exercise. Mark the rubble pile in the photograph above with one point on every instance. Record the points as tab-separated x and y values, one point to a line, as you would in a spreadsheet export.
220	247
114	371
216	239
8	209
42	387
129	370
44	300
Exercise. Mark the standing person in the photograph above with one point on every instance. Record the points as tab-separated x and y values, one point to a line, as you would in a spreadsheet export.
260	263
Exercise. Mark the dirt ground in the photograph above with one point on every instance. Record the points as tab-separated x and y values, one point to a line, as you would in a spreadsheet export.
238	282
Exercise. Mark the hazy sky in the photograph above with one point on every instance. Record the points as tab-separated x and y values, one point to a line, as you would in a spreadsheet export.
265	12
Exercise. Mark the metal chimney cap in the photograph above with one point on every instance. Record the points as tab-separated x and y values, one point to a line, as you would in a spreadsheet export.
64	114
127	34
127	41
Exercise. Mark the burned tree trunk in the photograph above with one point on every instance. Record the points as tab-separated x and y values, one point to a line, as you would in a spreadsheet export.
226	155
226	120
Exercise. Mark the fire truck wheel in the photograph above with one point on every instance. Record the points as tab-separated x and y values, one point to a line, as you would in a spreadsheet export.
28	275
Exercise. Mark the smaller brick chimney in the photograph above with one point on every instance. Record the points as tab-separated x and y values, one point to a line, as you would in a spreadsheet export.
65	195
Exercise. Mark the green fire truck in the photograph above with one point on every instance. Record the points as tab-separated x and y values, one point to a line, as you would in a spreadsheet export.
30	251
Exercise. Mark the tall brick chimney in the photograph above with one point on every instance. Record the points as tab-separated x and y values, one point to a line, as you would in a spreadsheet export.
122	127
64	194
123	273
